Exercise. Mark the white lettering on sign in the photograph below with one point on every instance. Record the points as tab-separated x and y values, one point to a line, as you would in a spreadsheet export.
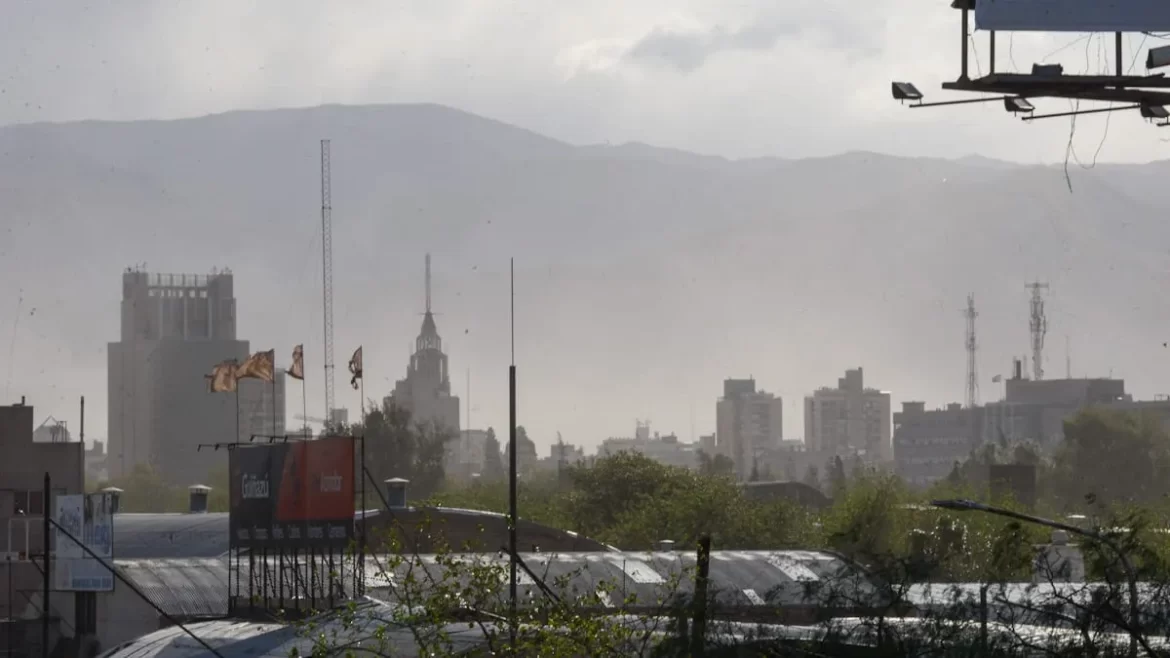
254	487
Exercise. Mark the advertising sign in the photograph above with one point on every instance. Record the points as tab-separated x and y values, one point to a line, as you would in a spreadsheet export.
1073	15
90	519
293	494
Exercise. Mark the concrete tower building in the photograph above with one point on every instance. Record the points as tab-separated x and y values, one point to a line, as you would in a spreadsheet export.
175	328
849	419
748	422
426	390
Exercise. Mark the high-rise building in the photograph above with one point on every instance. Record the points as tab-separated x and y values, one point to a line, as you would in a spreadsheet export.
425	392
747	423
849	420
175	328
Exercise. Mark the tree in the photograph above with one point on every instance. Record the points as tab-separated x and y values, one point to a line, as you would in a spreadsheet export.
715	466
1110	457
835	472
396	449
493	464
812	477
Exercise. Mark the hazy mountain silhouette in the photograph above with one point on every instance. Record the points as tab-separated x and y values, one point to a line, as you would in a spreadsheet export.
644	275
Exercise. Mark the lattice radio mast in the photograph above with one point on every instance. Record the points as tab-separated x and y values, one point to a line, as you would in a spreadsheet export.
972	346
1039	327
327	273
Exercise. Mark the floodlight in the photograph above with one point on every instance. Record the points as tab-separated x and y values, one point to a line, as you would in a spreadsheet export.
1017	105
1154	112
1158	57
1047	70
905	91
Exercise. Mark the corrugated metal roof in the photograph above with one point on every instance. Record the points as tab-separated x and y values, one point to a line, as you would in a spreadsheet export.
146	536
278	641
185	588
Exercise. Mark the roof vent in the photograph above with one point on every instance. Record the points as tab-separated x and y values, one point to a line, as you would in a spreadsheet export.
199	494
396	492
664	545
115	498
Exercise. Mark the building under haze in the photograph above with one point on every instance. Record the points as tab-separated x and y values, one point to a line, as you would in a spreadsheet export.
849	420
426	390
748	423
174	329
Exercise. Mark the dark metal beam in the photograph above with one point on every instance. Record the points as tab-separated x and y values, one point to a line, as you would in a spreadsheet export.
1080	112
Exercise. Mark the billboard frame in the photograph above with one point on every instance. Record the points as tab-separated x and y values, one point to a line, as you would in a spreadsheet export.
295	573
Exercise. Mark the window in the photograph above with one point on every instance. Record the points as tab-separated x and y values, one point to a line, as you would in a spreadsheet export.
29	503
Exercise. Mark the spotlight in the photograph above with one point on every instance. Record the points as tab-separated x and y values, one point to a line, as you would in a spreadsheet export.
1158	57
1017	105
1047	70
1154	112
905	91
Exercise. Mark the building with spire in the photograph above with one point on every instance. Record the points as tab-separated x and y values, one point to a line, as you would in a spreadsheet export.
426	390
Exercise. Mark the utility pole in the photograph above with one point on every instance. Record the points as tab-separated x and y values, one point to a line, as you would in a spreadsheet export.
327	272
1039	327
972	346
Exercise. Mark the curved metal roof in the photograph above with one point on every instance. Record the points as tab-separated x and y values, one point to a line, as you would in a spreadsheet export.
268	640
184	588
147	536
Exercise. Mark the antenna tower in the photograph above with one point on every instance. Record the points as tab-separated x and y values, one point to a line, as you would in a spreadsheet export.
428	283
1039	327
327	273
972	346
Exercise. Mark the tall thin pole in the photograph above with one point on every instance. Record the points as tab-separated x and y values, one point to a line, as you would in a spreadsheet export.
305	407
512	520
48	569
327	271
237	412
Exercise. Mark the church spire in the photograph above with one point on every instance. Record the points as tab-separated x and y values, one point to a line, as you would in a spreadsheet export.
428	337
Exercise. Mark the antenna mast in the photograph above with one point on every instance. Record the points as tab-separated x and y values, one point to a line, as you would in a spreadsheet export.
428	283
327	273
1039	327
972	346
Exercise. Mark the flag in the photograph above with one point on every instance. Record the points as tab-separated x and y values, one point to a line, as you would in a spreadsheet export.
223	377
258	366
355	367
297	369
997	379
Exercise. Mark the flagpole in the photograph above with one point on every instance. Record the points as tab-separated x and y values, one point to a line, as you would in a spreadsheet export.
304	408
237	387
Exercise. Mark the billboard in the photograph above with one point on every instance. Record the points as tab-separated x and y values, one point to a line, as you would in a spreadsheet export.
90	519
292	494
1073	15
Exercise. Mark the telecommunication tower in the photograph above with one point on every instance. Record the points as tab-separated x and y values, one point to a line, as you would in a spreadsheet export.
1039	327
327	272
972	346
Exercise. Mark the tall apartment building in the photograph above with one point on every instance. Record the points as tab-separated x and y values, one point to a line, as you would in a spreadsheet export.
849	420
175	328
426	390
747	423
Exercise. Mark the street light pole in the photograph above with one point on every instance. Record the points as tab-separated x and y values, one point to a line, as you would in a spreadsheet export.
961	505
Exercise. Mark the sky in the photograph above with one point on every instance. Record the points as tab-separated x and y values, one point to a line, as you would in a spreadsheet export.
741	79
800	78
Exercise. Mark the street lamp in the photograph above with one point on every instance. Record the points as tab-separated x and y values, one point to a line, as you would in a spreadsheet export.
962	505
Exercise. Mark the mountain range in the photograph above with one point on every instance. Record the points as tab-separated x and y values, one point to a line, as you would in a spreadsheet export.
643	275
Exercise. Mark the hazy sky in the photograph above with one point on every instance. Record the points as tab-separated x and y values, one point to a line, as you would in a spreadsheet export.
793	78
